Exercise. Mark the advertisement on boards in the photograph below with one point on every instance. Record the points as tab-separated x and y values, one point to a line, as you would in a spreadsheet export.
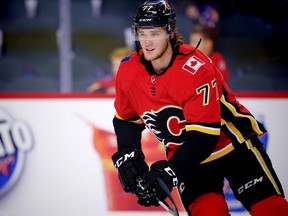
55	157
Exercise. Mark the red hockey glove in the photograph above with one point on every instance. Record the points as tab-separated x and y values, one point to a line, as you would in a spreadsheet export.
131	167
149	189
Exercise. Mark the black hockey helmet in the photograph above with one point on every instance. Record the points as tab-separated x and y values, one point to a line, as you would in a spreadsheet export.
154	13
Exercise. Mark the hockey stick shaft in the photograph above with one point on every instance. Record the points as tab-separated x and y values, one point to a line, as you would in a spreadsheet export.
173	210
168	208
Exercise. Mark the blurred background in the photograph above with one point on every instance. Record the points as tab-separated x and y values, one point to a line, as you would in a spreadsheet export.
64	45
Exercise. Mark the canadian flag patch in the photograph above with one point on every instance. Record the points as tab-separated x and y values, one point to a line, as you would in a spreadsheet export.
193	64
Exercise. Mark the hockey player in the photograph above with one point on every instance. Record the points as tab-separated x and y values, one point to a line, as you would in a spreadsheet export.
179	95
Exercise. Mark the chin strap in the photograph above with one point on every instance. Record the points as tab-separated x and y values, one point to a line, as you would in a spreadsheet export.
198	44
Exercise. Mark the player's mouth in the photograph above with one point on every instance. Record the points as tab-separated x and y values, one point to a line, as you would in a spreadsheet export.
149	51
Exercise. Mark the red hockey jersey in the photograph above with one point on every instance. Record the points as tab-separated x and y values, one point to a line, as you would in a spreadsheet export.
190	95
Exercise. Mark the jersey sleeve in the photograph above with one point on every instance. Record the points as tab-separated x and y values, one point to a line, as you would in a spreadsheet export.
127	124
123	106
203	106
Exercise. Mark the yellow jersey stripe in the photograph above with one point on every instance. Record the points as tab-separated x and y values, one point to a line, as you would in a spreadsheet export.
136	121
203	129
235	132
263	164
219	153
235	113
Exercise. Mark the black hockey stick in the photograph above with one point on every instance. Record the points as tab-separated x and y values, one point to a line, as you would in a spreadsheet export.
172	209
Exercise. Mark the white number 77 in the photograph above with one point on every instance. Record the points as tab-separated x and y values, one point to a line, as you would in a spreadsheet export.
205	89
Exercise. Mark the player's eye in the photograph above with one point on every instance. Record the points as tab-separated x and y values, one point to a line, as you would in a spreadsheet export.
154	34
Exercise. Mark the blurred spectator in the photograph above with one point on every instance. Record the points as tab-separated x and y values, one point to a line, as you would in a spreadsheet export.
209	36
96	6
31	8
205	14
192	12
107	84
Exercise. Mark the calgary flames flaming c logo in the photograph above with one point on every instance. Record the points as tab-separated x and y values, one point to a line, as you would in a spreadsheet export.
167	124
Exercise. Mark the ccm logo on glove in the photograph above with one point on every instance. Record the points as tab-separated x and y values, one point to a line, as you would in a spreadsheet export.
170	172
124	158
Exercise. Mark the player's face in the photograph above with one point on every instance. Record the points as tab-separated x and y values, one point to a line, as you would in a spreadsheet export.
154	42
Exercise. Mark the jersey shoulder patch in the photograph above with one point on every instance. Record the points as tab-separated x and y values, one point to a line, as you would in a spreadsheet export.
193	64
125	59
129	56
